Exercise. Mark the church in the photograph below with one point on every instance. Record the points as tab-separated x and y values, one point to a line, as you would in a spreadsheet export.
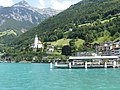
37	43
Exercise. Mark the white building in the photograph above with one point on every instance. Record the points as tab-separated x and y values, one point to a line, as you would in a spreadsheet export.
116	51
108	49
37	43
50	48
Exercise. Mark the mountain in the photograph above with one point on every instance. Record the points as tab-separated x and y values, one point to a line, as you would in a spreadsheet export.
47	11
88	20
21	17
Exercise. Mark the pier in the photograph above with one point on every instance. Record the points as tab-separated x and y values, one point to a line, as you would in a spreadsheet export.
89	62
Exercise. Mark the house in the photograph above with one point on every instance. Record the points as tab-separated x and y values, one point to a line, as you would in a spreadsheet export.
108	49
104	49
116	49
50	48
6	57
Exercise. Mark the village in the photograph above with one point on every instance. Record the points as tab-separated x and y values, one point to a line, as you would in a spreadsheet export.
103	49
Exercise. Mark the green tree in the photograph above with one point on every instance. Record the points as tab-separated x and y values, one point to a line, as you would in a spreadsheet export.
66	50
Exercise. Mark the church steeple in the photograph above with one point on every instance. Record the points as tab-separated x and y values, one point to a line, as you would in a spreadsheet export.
37	43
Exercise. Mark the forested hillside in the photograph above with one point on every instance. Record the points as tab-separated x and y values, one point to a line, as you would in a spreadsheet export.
88	20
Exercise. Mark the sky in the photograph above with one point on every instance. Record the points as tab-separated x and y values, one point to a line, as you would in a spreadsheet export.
55	4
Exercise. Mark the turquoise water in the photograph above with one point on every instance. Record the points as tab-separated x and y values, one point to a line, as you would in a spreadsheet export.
40	77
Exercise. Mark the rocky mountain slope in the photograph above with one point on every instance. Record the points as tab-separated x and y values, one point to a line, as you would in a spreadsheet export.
21	17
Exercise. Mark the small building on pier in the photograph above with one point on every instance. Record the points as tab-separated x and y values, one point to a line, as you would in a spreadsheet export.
90	62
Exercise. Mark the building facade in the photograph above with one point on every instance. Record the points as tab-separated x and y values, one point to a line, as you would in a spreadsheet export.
116	49
108	49
104	49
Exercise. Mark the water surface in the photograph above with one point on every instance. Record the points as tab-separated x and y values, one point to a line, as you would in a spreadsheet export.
40	77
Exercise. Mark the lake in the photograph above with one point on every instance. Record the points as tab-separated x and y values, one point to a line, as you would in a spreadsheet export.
17	76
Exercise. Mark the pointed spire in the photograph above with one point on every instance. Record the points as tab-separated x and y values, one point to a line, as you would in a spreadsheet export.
36	36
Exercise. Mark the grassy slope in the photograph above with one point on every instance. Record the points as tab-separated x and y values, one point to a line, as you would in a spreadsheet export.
79	43
62	42
117	39
102	39
8	32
